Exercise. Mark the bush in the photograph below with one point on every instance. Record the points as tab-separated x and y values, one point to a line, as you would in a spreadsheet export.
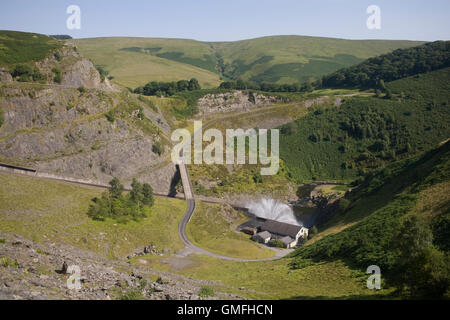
103	73
110	116
343	204
58	75
8	263
157	148
1	117
22	69
257	177
277	243
312	232
81	89
131	294
37	75
57	56
206	292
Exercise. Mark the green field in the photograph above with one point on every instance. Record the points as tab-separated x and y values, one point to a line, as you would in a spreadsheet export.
134	68
273	279
213	228
282	59
45	210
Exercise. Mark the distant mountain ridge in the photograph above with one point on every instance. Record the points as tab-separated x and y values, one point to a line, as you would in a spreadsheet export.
276	59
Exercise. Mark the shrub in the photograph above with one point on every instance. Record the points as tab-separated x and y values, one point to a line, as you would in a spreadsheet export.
131	294
110	116
37	75
206	292
22	69
103	73
277	243
57	56
257	177
157	148
1	117
7	262
343	204
113	204
312	232
58	75
82	89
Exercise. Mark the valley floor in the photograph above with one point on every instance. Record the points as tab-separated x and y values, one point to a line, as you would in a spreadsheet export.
47	222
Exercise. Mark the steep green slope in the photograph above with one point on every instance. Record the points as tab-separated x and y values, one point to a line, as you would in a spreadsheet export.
21	47
282	59
368	133
287	59
398	64
377	213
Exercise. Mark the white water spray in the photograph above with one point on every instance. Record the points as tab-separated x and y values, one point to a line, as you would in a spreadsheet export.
273	210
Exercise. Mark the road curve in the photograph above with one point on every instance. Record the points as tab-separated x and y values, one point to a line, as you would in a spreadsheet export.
190	209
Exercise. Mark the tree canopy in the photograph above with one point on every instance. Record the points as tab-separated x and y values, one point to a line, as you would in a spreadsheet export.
400	63
115	205
155	88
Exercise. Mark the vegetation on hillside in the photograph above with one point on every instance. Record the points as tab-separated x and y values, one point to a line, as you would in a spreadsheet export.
400	63
279	59
113	204
61	36
47	210
22	47
341	143
165	89
387	234
266	86
213	227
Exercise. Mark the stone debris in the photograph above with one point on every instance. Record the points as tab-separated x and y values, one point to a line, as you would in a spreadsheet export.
27	274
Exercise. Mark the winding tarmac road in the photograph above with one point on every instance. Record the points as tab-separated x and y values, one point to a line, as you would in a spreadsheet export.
188	194
190	209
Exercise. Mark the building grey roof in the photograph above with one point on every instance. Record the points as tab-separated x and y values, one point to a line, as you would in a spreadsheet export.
264	235
252	224
281	228
287	240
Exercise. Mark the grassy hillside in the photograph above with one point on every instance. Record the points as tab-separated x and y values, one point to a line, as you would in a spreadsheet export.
213	227
341	143
374	216
45	210
283	59
21	47
135	61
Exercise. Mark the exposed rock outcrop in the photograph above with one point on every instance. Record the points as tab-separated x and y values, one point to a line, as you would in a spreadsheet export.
233	101
64	131
31	270
5	76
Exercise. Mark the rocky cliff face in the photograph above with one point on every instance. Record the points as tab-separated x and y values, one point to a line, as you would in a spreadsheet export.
63	128
233	101
76	71
5	76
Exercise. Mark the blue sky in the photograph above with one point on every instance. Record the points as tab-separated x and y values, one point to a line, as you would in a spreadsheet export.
227	20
